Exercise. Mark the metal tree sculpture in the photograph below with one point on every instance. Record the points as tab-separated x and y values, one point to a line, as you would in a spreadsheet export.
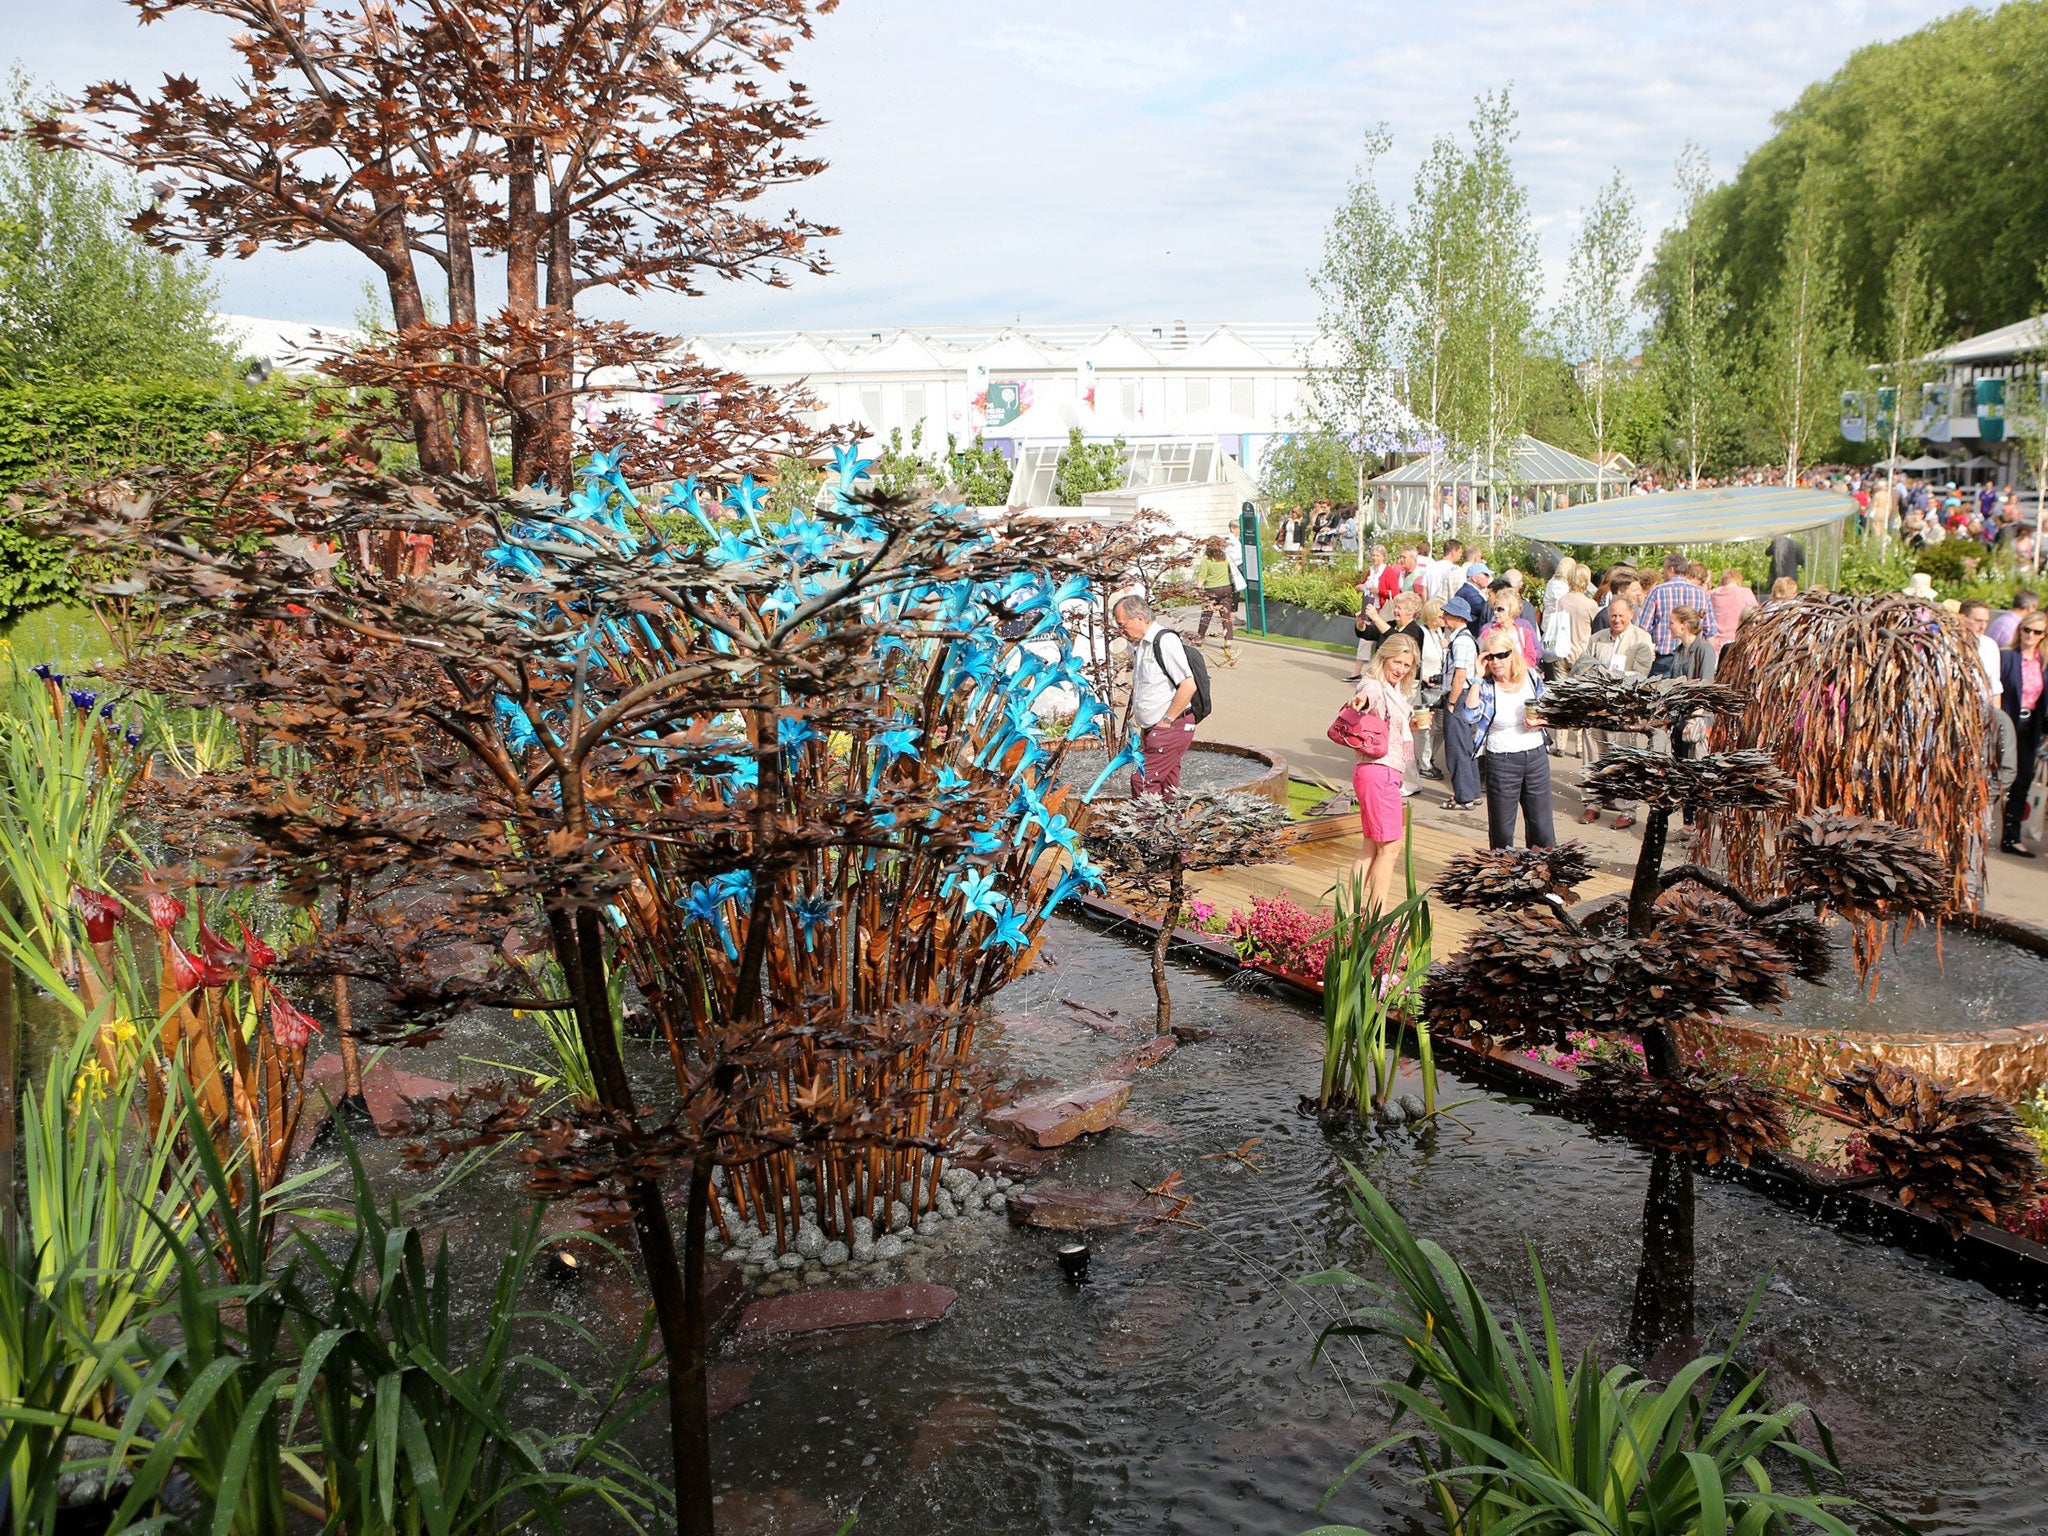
783	771
1686	941
1152	841
1871	707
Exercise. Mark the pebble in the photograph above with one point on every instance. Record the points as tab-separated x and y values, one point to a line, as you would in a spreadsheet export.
929	1227
791	1261
899	1216
863	1250
835	1254
957	1181
888	1247
945	1205
810	1240
1413	1105
985	1186
998	1203
970	1203
814	1274
863	1228
1004	1181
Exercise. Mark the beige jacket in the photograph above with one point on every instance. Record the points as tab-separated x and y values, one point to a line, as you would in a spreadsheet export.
1633	645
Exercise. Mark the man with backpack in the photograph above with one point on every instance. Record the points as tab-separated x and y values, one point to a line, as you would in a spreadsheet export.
1169	694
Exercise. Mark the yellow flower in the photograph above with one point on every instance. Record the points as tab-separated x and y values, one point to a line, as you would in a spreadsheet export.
90	1087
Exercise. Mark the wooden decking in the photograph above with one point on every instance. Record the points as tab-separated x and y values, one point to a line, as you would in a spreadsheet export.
1318	868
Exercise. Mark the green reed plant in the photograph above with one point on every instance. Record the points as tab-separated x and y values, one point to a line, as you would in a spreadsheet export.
64	775
1372	977
341	1390
1514	1441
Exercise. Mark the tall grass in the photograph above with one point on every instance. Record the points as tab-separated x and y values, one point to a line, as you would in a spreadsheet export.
1372	976
1514	1441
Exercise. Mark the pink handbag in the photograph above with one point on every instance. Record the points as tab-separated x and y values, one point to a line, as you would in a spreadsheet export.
1365	733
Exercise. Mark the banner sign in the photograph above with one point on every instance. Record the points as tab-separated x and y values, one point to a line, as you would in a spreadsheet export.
1853	425
1991	410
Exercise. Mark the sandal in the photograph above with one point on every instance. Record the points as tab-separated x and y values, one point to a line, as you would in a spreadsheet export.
1588	816
1623	822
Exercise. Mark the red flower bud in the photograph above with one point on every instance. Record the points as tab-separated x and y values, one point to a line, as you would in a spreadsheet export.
261	955
217	950
187	975
165	910
100	912
289	1027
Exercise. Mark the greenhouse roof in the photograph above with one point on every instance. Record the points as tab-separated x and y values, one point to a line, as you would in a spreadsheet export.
1532	462
1730	515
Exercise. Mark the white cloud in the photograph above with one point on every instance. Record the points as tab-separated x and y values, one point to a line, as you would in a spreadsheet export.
1143	160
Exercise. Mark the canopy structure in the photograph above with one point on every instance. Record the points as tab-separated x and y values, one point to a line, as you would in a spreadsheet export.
1529	464
1731	515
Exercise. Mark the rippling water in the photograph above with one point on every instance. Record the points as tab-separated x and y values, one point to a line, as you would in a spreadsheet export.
1969	980
1179	1390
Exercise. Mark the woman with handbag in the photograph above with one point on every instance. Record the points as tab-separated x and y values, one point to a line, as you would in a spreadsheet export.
1376	725
1504	718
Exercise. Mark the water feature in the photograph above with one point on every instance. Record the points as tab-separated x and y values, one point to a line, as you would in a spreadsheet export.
1969	980
1177	1391
1206	770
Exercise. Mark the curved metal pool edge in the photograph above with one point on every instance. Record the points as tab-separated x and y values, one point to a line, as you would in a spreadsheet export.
2001	1261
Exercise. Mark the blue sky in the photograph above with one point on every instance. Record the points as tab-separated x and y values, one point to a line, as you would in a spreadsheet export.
1136	160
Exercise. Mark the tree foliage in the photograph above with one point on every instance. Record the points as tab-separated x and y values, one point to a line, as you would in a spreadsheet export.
1085	467
583	147
1362	287
82	299
1962	165
1302	468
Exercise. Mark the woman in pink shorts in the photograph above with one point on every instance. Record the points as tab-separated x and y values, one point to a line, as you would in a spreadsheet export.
1388	690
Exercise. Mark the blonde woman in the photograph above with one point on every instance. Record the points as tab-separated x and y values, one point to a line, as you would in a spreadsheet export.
1506	721
1387	690
1784	589
1508	620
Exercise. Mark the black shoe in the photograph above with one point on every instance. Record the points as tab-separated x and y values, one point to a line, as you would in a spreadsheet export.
2017	851
1460	805
1431	773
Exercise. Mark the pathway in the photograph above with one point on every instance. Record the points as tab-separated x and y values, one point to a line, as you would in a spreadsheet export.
1283	697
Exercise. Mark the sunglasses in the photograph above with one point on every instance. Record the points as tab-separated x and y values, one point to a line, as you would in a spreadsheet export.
1494	655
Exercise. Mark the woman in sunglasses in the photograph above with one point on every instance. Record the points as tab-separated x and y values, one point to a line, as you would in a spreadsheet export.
1514	766
1388	690
2020	692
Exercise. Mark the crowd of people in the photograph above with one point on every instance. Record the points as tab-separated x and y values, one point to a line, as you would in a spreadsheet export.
1471	649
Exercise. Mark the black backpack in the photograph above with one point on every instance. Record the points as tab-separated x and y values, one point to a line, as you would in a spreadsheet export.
1200	705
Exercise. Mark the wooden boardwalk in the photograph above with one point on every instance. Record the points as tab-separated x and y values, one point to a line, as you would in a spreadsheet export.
1319	868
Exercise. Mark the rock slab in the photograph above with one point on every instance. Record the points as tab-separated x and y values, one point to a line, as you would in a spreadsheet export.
1073	1208
388	1093
830	1311
1054	1119
982	1155
1128	1063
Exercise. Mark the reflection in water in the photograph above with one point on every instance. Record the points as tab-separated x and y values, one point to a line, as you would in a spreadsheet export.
1960	980
1661	1326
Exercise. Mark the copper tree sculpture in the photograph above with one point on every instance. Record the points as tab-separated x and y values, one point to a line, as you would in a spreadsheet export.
729	764
1686	941
1153	841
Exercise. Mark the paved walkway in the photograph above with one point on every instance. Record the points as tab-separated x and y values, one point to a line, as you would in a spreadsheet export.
1284	697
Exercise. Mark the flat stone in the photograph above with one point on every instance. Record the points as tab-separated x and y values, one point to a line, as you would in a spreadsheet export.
1142	1125
1074	1208
1137	1058
831	1311
956	1424
1054	1119
727	1385
782	1512
388	1093
1003	1158
1192	1034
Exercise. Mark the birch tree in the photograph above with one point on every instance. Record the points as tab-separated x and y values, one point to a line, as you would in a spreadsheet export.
1803	340
1353	386
1596	322
1689	354
1496	315
1435	276
1914	306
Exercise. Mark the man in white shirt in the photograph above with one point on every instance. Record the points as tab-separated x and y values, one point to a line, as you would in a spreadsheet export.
1162	689
1976	617
1443	576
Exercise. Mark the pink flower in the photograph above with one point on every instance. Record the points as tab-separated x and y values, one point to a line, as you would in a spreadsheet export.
100	912
289	1027
165	910
261	955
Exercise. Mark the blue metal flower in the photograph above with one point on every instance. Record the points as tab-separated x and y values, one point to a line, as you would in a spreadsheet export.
84	698
897	743
1132	756
983	843
1057	834
806	538
1086	713
846	460
813	910
736	886
978	894
952	783
513	725
747	498
793	735
1012	930
133	736
704	903
740	772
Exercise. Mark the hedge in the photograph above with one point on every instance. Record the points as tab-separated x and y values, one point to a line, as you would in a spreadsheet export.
88	429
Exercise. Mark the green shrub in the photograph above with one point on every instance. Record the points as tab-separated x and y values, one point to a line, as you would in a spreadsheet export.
1331	588
87	429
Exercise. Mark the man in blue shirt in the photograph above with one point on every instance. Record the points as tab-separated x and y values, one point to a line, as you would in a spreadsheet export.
1676	590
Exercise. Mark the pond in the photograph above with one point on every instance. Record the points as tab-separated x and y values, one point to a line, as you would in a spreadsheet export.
1968	980
1178	1390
